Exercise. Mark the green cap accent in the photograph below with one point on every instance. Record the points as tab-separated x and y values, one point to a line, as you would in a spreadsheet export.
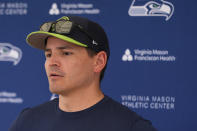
64	17
37	39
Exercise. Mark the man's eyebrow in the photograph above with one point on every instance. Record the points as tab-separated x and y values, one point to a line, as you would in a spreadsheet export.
59	48
64	47
47	50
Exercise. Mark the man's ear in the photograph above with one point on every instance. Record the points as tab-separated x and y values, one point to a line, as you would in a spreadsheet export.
100	61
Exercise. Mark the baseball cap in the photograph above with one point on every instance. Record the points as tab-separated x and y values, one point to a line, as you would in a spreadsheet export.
74	29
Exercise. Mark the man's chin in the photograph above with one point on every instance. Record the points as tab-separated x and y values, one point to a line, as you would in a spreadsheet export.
55	90
59	90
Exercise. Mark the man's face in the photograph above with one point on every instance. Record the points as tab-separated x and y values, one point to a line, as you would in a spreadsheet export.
68	66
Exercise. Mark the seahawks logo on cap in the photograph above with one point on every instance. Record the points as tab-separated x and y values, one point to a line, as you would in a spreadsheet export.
11	53
151	8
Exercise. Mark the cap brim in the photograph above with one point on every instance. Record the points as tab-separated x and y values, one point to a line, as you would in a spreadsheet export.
37	39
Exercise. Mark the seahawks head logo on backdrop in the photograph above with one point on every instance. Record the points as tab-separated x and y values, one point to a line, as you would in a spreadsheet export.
151	8
9	52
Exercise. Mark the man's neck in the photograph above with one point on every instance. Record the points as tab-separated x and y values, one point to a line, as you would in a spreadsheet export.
80	99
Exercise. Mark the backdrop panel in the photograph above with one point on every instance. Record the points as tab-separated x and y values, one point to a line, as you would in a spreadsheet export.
152	67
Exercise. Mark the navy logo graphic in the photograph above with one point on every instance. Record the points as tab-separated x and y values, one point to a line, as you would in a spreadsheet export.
151	8
11	53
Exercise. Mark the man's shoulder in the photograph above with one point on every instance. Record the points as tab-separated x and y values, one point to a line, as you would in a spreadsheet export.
43	108
125	114
29	116
118	108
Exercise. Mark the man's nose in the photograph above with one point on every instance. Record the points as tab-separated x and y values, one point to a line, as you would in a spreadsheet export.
54	60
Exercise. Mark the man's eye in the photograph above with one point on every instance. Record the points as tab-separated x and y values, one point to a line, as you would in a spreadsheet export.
47	55
67	53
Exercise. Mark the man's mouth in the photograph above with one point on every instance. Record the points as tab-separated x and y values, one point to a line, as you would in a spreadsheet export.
55	75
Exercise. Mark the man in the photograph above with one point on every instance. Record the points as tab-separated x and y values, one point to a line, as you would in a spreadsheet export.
76	51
